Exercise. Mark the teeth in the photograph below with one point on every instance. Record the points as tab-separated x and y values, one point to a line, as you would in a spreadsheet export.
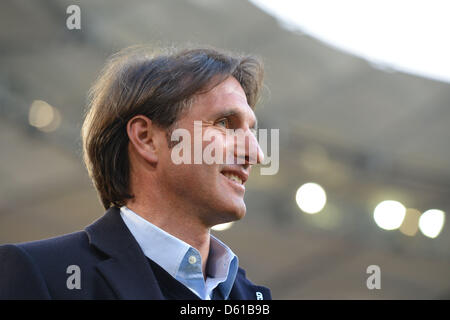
233	177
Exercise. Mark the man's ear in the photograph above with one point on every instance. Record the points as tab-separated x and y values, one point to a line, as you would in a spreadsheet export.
142	133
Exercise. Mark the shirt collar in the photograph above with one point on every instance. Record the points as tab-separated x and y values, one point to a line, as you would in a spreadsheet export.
222	265
158	245
169	252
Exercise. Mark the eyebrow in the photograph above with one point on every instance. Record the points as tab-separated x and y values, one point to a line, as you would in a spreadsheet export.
227	113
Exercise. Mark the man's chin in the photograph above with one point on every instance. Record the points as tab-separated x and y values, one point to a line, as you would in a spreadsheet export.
230	214
237	213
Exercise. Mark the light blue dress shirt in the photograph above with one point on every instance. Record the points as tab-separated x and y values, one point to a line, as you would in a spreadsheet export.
182	261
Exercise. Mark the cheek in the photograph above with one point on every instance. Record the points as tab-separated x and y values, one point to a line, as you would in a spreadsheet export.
187	175
216	146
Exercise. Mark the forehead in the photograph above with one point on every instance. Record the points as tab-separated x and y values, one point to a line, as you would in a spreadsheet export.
227	96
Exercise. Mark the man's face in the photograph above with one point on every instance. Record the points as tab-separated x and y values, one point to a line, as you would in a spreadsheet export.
214	192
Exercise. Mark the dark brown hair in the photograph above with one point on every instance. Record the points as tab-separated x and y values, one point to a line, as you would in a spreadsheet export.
159	86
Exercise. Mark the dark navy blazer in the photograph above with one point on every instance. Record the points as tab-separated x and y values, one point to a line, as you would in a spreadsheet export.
111	264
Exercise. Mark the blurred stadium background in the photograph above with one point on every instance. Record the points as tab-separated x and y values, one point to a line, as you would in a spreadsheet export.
363	134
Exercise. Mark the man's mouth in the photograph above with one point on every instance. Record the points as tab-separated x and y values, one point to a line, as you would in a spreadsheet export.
233	177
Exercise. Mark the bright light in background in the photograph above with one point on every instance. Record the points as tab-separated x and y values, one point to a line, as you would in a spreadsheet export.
43	116
389	214
431	222
311	198
222	226
407	35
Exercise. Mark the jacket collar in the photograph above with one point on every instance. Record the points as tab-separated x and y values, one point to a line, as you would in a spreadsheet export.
126	270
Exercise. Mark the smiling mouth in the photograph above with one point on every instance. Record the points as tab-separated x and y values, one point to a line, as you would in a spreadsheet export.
233	177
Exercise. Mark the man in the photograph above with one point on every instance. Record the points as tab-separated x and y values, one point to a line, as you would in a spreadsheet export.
154	240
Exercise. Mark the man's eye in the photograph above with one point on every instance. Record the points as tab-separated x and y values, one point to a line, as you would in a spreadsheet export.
223	122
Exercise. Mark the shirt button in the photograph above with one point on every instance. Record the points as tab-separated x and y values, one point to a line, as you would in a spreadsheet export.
192	259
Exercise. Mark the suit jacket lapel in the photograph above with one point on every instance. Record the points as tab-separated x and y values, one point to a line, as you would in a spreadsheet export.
126	270
245	290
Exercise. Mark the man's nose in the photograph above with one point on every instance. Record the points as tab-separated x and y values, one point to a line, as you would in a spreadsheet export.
250	149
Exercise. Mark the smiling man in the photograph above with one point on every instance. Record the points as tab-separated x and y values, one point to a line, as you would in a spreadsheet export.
154	240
